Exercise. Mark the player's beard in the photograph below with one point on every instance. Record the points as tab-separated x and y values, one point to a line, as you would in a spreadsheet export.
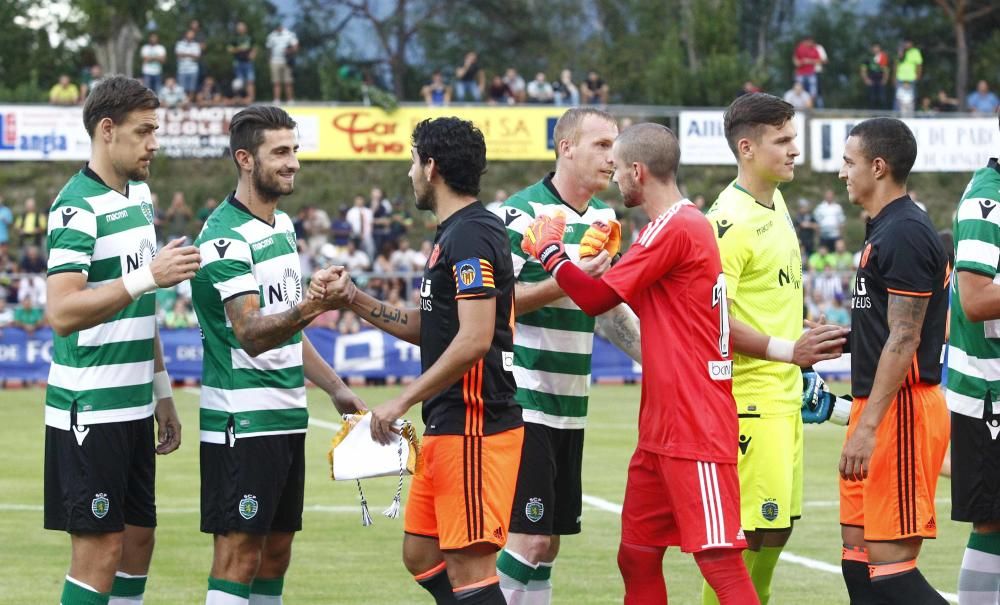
630	196
425	199
135	172
268	185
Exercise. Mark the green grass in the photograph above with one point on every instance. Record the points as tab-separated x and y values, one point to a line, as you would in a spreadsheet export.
337	561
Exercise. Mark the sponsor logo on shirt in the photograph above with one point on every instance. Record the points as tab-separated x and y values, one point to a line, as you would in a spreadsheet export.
720	370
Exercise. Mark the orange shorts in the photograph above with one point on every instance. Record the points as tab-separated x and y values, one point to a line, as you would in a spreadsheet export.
465	489
896	500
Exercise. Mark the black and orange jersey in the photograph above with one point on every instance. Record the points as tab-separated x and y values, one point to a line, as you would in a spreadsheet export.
470	259
903	256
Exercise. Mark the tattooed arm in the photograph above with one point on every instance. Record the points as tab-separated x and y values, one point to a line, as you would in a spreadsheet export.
259	333
335	288
621	327
906	318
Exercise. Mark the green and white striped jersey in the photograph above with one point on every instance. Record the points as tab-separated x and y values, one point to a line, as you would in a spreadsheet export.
105	372
974	348
553	345
243	395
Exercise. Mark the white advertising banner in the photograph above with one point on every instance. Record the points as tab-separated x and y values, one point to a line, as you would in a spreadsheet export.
943	144
39	132
703	138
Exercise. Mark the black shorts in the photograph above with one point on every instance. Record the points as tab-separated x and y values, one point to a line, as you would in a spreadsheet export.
975	467
548	500
100	478
255	486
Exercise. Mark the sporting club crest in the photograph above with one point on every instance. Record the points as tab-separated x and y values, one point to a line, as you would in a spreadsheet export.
147	210
248	507
290	236
769	509
100	505
534	510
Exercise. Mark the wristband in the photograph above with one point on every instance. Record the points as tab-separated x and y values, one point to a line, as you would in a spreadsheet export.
841	413
162	388
779	349
139	282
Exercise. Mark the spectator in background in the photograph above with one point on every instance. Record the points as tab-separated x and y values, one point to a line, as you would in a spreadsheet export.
566	92
188	52
820	260
242	48
402	220
942	103
381	265
205	211
843	260
180	316
153	56
178	217
699	202
31	225
748	88
356	260
808	60
28	316
360	217
798	97
348	323
831	219
594	90
208	93
436	93
837	314
6	220
982	100
469	79
171	94
828	284
498	199
32	280
381	218
874	73
317	229
805	226
909	70
340	231
405	259
515	83
283	45
913	198
64	92
6	315
90	78
498	93
539	90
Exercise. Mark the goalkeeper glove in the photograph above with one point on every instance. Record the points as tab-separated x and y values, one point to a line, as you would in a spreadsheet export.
819	404
543	240
599	236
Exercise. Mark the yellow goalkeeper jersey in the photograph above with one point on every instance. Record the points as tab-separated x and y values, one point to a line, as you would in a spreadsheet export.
763	268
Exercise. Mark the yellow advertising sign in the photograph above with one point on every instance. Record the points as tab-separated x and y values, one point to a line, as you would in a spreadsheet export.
369	133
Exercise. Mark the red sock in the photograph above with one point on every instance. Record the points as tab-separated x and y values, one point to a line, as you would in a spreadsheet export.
642	570
726	573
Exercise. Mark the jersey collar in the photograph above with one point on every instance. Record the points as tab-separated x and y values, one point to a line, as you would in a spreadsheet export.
547	181
459	212
737	187
90	174
994	164
897	205
235	203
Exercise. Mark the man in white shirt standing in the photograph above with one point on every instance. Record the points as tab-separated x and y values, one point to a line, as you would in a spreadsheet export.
188	52
283	45
830	218
153	57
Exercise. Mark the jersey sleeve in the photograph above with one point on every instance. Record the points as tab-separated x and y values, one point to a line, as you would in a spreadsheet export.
228	265
659	248
517	216
72	234
734	248
976	237
908	263
472	258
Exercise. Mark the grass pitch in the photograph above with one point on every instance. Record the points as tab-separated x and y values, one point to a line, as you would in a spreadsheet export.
336	560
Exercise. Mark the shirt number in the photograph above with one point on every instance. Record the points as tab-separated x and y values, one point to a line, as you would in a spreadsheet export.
719	300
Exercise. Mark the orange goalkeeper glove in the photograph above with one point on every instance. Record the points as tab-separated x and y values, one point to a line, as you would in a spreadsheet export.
543	240
601	235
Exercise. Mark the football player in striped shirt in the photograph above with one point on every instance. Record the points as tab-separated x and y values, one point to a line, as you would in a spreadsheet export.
250	305
107	380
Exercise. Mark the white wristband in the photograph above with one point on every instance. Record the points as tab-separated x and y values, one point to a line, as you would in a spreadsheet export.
841	412
779	349
139	282
162	388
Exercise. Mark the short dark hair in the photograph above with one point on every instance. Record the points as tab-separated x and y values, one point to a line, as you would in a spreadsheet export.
458	149
748	114
247	128
651	144
891	140
115	98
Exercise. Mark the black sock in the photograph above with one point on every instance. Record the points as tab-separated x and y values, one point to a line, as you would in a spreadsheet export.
907	588
439	587
482	595
859	586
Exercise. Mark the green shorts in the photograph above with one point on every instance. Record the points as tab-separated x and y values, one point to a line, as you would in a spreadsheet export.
770	468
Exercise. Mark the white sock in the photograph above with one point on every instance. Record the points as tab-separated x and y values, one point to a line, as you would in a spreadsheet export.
540	586
514	572
979	578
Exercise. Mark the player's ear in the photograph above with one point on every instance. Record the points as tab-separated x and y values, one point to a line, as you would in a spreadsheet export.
106	129
244	159
430	169
880	169
745	147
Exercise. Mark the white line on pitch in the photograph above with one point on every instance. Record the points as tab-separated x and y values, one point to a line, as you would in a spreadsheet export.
611	507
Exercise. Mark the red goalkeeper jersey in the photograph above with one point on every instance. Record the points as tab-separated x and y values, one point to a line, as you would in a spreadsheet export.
672	278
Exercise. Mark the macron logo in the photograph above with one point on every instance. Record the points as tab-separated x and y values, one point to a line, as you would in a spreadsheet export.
68	214
221	246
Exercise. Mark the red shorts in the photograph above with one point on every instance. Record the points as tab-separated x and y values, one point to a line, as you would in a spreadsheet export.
465	488
679	502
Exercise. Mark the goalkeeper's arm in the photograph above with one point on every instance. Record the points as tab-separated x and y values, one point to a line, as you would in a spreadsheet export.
593	296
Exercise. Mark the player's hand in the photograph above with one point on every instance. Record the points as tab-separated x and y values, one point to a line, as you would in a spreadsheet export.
383	419
595	266
347	401
821	342
543	240
168	426
857	454
601	235
334	289
174	263
319	279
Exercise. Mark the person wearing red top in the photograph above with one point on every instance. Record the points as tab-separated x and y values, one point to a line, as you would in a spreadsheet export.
809	58
683	488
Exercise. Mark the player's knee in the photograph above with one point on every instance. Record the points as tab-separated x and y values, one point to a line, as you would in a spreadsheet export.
100	552
636	561
275	559
537	548
237	564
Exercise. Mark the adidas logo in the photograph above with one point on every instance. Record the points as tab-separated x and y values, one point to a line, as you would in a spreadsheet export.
931	524
498	533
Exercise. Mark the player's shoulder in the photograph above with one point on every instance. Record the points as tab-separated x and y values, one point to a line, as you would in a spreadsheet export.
222	224
528	198
76	193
